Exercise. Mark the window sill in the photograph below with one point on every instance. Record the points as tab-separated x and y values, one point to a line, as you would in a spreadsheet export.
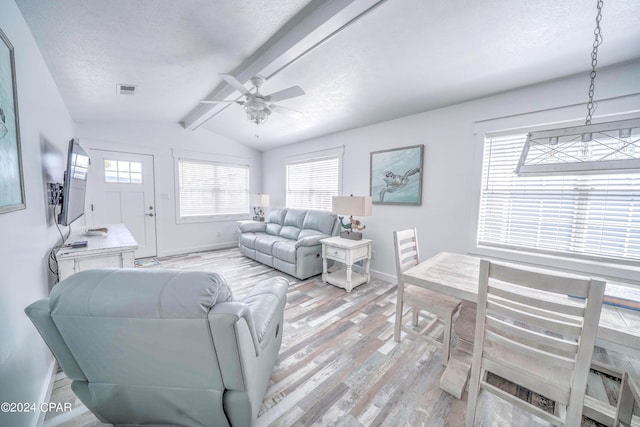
212	218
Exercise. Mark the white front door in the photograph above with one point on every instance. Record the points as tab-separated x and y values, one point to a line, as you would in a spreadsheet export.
122	192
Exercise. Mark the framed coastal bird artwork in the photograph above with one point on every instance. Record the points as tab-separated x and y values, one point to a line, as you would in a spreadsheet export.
396	176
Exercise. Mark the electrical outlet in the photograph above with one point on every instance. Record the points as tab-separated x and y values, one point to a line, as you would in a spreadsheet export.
218	234
373	255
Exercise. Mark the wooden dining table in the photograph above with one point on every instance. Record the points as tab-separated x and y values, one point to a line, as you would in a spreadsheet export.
457	275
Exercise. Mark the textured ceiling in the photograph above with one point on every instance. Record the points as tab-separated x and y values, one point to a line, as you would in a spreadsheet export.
400	58
172	50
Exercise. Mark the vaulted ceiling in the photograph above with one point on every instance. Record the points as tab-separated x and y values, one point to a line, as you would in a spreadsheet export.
359	62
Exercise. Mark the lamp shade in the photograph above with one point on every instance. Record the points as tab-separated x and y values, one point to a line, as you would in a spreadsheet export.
260	200
351	205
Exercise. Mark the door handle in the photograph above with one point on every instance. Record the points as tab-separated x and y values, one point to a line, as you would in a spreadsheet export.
149	214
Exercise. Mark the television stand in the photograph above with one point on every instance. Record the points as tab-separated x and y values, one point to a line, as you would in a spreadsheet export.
115	249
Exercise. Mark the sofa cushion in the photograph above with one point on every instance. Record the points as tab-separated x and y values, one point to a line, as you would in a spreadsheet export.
285	251
248	240
266	259
275	221
319	221
293	223
264	243
285	266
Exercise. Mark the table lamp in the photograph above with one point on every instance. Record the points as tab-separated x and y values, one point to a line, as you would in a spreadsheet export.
351	205
259	201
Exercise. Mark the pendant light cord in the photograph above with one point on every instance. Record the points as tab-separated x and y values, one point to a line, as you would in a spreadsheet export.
591	106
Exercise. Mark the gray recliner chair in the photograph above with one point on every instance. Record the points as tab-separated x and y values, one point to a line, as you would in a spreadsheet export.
164	347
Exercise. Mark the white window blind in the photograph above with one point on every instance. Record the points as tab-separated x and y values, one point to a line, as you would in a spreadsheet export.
209	188
312	183
588	216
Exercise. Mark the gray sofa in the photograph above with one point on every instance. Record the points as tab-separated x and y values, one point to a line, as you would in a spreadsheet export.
289	240
164	347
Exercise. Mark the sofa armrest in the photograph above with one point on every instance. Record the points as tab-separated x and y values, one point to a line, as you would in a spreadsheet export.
235	342
266	302
311	240
263	305
223	318
249	227
236	329
40	315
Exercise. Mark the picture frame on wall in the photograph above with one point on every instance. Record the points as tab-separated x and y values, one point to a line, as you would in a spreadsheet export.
396	176
11	178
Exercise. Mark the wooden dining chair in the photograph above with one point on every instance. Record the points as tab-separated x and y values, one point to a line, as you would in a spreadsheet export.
629	394
529	332
433	306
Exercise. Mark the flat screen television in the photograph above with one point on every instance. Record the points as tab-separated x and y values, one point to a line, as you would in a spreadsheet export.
75	184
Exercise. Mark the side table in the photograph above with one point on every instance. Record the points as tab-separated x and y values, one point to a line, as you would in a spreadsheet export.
347	252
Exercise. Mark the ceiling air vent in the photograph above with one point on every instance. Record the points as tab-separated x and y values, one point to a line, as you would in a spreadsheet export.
123	89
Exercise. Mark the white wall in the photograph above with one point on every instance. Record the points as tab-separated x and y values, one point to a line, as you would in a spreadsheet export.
27	235
446	219
160	139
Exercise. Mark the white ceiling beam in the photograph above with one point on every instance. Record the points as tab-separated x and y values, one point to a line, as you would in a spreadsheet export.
315	23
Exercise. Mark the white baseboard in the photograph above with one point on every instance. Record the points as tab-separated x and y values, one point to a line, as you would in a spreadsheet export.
204	248
385	277
47	389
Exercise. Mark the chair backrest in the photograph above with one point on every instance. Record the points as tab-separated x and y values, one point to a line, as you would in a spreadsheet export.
138	344
537	330
406	248
629	394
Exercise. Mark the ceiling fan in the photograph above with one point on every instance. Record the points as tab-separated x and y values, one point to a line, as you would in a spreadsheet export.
258	106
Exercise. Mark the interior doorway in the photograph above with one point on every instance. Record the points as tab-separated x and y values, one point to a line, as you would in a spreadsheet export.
122	192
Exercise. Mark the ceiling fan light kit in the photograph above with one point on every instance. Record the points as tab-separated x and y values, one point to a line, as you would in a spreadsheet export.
257	112
257	106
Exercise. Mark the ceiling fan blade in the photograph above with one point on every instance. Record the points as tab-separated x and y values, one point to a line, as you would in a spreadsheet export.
291	92
286	111
235	83
221	101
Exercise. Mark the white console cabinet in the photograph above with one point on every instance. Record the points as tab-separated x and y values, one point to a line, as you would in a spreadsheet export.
116	249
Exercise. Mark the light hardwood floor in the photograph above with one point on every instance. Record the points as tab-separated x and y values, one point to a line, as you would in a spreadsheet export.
338	364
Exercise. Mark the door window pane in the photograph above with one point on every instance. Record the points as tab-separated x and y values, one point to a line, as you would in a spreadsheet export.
122	171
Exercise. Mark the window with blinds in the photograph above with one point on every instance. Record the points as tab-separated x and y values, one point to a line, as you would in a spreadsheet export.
312	183
208	188
590	216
